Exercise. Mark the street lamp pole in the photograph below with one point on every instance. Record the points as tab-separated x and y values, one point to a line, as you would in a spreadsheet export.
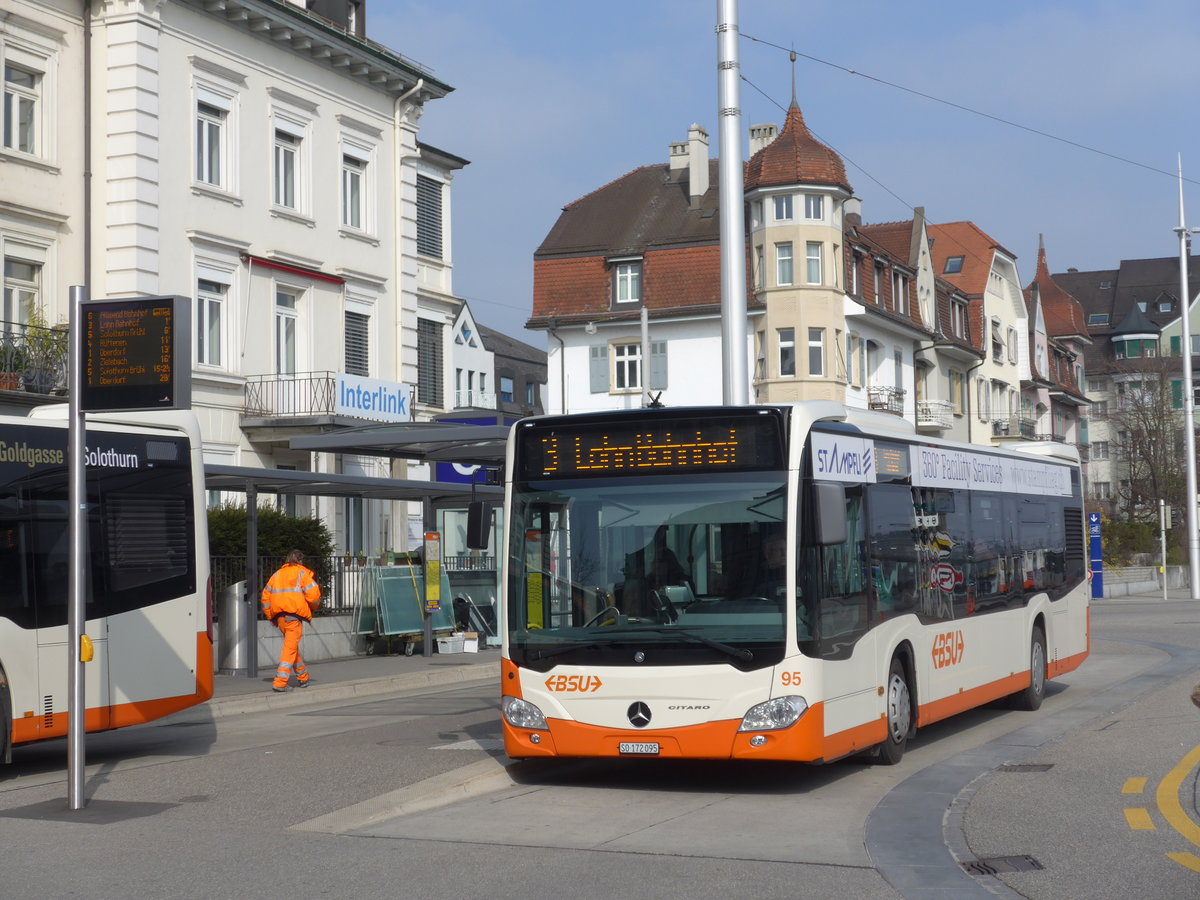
1189	403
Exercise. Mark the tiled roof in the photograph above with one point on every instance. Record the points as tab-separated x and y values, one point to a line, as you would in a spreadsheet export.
1062	312
894	237
795	157
645	209
967	240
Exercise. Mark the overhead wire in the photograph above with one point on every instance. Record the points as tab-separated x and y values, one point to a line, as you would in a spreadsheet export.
969	109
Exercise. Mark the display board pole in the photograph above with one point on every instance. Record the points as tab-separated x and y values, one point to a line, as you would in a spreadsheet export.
77	530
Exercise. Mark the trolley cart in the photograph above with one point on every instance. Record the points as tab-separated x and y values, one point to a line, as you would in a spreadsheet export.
390	608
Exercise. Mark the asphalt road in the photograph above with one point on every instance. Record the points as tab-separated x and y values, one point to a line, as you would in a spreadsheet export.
407	793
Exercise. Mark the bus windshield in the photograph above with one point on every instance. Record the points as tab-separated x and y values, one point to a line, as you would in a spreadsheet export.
652	570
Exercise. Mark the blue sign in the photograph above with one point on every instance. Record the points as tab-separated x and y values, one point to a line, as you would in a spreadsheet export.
1096	554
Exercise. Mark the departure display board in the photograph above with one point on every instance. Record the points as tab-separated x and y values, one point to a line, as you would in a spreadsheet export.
652	443
136	354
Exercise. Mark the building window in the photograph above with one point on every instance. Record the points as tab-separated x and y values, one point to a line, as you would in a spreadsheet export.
627	367
1097	385
506	388
286	310
878	283
22	93
958	319
900	292
429	217
760	275
954	265
957	394
783	208
210	306
1166	305
1097	319
287	153
1100	409
210	144
813	206
855	263
429	362
997	343
22	288
1099	449
1012	345
531	394
1101	490
353	173
787	351
812	254
783	263
816	352
852	341
358	335
627	283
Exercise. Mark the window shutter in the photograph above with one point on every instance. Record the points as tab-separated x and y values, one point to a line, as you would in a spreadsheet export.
429	217
357	333
599	368
658	365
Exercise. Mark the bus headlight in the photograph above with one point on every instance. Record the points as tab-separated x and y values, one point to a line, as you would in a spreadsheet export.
782	712
521	713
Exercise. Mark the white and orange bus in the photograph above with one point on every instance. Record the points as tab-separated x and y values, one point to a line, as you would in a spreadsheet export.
148	604
797	582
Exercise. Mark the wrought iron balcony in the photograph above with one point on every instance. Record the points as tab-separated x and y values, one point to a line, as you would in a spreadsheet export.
935	414
1015	427
292	395
33	358
886	399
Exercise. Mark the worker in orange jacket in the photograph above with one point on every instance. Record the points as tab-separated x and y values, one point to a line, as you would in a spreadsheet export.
288	600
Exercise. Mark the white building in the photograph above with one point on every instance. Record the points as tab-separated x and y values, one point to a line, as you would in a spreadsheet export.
261	158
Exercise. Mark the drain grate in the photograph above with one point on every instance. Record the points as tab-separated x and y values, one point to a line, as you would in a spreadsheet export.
997	864
1026	767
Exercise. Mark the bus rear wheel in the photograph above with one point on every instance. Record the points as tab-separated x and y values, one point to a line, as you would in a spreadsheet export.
1031	698
899	715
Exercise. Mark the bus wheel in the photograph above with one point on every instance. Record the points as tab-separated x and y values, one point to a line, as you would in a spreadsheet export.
1031	698
899	715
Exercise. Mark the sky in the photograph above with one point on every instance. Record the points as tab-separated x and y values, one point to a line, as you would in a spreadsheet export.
555	99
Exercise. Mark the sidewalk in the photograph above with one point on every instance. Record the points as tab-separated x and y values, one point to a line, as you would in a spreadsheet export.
358	676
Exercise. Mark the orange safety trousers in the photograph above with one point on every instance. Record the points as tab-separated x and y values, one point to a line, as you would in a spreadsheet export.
290	661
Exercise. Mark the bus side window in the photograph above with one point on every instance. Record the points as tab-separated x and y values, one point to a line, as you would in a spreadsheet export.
892	548
842	603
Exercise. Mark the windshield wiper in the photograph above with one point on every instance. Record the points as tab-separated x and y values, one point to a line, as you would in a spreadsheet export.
736	652
559	651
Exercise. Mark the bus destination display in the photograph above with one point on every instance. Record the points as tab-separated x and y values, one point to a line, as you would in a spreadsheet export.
135	354
653	447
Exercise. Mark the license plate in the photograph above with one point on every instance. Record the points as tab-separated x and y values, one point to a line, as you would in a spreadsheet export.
637	749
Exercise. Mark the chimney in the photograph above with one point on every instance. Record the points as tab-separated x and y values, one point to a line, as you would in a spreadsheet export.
761	135
697	162
852	211
677	157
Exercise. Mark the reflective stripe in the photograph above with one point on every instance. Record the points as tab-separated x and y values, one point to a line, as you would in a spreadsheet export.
285	666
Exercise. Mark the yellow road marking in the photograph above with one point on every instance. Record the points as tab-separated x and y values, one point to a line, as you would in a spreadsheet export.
1168	800
1134	786
1187	860
1139	820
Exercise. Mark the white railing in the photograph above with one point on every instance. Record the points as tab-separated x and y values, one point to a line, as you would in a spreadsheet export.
935	413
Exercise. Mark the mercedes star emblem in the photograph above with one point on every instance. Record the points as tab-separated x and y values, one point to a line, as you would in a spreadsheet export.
639	715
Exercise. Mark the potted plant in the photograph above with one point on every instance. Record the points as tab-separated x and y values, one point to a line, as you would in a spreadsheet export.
12	362
44	351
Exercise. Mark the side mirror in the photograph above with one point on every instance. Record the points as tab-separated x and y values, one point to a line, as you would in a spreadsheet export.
829	512
479	524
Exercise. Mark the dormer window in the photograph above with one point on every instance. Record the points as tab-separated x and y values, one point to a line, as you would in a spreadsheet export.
627	282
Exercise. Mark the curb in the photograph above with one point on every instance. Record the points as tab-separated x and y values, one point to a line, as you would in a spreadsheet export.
220	707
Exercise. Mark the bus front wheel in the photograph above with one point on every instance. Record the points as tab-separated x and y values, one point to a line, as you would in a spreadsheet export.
899	715
1031	698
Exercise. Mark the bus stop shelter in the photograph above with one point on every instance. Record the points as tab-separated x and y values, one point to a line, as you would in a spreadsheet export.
420	441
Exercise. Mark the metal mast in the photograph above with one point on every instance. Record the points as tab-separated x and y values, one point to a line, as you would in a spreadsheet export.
735	387
1189	402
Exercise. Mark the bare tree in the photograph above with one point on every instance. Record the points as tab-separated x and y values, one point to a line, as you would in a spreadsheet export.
1148	427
